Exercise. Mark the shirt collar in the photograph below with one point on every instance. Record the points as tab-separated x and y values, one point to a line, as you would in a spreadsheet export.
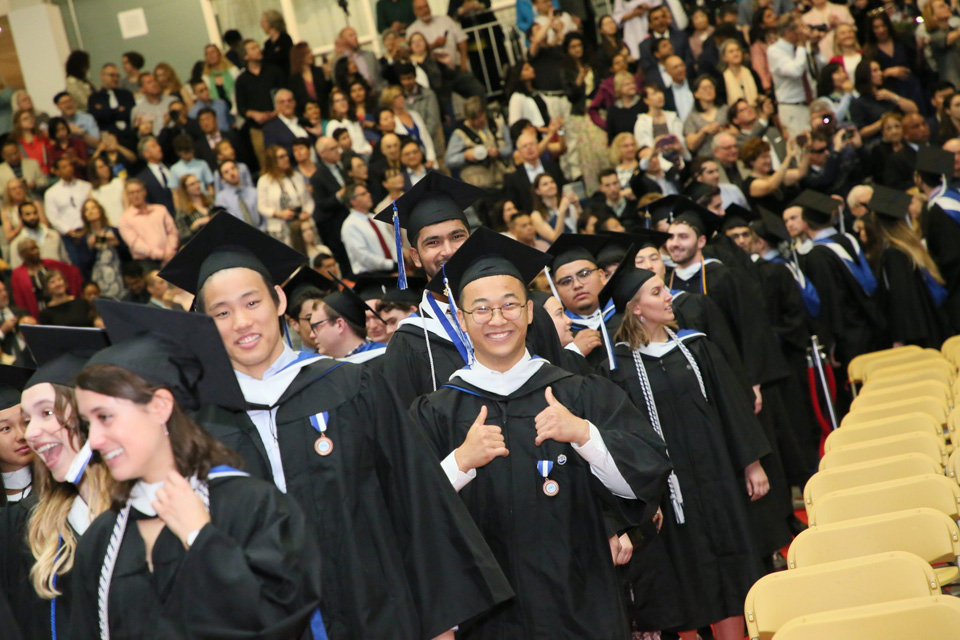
687	272
825	233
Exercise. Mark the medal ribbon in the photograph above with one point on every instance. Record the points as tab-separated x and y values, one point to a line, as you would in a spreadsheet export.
545	467
319	421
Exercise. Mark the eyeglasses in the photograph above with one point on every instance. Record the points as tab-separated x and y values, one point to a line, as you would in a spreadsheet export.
820	150
509	311
314	325
582	276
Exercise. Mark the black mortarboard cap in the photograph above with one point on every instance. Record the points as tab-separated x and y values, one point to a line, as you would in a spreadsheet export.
411	295
624	284
488	253
660	209
178	350
305	281
570	247
227	242
434	199
737	216
61	352
932	159
621	243
350	305
371	287
688	211
771	228
817	206
890	203
13	380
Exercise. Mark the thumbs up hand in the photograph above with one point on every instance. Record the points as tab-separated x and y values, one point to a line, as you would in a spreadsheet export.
556	423
483	443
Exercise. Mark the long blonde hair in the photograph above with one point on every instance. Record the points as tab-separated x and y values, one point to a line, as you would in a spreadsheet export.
632	331
897	234
48	519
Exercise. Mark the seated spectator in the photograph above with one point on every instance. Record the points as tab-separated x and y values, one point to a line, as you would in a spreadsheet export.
388	157
623	157
62	308
622	114
705	120
478	148
112	105
658	174
518	186
10	343
414	169
14	195
203	100
32	139
610	200
193	211
867	109
80	123
65	145
238	199
133	281
286	127
190	165
48	241
342	118
27	280
118	157
225	151
303	157
520	228
16	166
369	243
282	195
147	229
107	189
159	290
171	86
150	112
553	213
393	183
409	123
891	141
726	153
834	85
771	189
748	124
359	173
657	119
156	177
103	239
362	104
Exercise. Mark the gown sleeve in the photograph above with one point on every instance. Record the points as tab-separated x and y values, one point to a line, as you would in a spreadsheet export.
902	297
743	433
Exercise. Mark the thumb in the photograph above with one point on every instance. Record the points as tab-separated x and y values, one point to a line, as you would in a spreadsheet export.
552	401
481	417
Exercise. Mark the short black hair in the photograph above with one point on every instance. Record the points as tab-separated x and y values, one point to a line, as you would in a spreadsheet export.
205	111
183	143
318	259
339	131
131	270
198	302
404	69
9	142
605	173
135	59
232	37
301	142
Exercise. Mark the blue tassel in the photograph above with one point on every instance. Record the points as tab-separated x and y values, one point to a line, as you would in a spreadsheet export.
401	271
286	332
453	311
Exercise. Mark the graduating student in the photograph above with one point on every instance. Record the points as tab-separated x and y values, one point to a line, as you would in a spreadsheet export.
338	327
942	230
682	383
192	547
850	321
304	290
401	558
911	287
15	454
39	535
535	452
425	350
578	278
553	341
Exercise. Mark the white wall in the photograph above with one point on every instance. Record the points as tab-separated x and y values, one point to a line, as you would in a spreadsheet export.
42	48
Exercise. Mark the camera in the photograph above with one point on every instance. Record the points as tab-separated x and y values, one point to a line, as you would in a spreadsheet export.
822	28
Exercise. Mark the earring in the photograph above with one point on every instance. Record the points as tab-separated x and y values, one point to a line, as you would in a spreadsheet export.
166	431
642	319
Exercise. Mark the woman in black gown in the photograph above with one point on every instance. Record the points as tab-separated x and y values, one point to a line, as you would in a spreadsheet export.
691	396
39	535
193	548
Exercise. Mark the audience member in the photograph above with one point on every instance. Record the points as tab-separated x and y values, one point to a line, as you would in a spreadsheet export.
282	194
369	243
147	229
156	177
48	241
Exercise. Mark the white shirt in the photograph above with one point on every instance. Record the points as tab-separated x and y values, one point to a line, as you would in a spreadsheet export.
417	176
788	66
162	174
440	25
63	202
522	106
683	99
426	136
363	247
533	171
294	126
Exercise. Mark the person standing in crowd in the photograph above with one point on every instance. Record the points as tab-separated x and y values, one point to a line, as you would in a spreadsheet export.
112	106
47	239
282	196
62	203
147	229
255	87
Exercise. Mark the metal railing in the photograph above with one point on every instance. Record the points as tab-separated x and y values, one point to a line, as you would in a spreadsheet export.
505	45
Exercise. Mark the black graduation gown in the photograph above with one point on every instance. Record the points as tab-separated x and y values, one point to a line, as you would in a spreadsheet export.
406	364
31	612
251	573
698	312
555	551
543	341
912	316
943	242
10	629
401	558
849	319
721	247
710	442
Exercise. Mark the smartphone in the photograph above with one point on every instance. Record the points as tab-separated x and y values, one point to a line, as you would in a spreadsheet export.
666	141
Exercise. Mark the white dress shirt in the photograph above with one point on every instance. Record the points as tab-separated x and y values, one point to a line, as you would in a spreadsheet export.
294	126
788	66
63	202
683	99
363	247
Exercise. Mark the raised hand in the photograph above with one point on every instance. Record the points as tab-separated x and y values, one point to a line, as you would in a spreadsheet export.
558	424
179	507
483	443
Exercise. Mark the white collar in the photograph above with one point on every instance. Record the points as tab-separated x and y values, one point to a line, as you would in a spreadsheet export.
658	349
142	497
425	319
79	516
18	480
825	233
687	272
497	382
276	378
288	121
770	255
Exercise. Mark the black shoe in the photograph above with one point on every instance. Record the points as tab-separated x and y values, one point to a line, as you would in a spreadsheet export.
797	526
